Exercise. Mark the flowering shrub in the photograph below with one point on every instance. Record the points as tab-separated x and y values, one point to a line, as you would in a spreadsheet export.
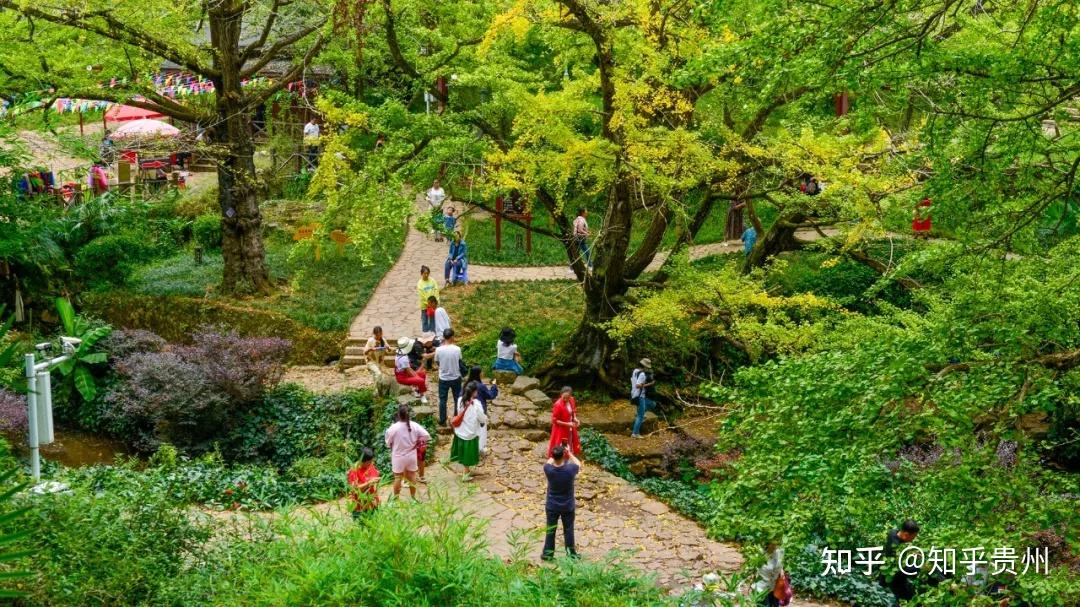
189	396
12	411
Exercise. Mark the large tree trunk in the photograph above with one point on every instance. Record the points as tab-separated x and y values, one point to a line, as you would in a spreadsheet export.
241	222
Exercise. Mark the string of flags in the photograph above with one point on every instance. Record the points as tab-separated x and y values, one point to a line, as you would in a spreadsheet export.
172	85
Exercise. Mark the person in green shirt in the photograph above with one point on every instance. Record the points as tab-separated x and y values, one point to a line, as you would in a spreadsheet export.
426	287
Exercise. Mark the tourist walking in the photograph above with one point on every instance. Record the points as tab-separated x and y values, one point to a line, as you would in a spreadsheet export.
435	197
404	372
311	142
364	479
901	583
402	438
375	345
564	423
507	357
456	267
581	236
485	394
468	423
561	469
749	237
773	584
448	357
426	287
449	221
641	382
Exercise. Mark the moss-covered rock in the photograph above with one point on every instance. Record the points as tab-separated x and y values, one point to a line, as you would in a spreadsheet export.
176	318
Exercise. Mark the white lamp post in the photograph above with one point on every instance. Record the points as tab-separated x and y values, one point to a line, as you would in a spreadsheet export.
39	413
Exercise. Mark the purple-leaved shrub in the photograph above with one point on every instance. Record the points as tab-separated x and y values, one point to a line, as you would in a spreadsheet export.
191	396
12	411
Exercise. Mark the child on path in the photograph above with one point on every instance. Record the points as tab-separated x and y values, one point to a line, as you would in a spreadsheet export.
364	479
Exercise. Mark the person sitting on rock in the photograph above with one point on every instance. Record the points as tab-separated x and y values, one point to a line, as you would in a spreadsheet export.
376	345
404	372
507	357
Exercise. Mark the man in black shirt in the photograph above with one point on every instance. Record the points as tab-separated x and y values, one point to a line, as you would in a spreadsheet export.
900	584
561	470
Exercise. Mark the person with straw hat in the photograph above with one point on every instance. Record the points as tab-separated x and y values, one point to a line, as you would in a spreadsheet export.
404	372
640	382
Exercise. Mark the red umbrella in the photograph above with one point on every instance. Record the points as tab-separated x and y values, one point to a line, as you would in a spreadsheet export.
123	113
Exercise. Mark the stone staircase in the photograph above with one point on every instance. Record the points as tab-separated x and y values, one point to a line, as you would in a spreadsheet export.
354	352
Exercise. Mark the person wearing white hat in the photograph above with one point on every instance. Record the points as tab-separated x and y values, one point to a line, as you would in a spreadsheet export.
403	371
640	381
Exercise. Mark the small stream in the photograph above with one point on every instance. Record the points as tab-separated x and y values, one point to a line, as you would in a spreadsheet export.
73	448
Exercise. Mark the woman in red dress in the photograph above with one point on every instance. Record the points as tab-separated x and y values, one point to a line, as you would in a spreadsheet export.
921	224
564	423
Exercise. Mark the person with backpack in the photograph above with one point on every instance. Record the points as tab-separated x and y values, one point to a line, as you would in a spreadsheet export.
641	381
773	584
468	424
402	438
405	374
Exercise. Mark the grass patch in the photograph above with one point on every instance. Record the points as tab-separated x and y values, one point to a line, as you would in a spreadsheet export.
323	295
540	313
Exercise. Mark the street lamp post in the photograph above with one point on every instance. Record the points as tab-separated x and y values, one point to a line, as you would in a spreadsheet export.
39	400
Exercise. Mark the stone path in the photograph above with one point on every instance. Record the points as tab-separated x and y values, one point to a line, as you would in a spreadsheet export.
508	493
394	305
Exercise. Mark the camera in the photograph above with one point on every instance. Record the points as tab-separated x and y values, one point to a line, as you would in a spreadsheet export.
43	346
70	343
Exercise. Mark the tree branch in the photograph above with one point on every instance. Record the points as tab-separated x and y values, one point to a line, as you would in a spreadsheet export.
277	47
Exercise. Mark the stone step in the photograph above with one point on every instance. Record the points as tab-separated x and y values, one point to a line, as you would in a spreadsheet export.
353	361
354	350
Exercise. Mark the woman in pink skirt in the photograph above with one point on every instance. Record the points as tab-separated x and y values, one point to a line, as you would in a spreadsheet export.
402	438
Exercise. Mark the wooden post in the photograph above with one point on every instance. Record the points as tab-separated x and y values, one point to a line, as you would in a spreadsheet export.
81	133
842	104
498	222
528	234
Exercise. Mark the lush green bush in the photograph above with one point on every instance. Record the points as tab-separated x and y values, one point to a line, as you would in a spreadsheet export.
110	259
422	554
206	232
844	280
108	548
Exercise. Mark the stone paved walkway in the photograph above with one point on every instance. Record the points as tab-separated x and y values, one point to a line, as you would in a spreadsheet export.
394	305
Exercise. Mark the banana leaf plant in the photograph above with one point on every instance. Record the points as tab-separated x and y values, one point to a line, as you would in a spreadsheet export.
78	366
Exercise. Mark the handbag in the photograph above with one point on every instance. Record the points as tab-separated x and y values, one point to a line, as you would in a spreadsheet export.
782	590
460	417
463	369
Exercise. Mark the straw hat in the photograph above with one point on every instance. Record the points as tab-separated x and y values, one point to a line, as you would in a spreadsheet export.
646	364
405	344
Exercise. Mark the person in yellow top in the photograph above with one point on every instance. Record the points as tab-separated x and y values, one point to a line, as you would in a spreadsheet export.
426	287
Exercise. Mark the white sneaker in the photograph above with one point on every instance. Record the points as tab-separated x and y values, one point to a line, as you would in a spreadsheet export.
423	399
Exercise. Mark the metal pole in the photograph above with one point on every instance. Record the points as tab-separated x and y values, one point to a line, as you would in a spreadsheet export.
45	413
32	417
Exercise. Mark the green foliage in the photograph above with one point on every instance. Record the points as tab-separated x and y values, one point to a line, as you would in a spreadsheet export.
206	232
111	259
12	530
541	313
842	280
108	548
87	353
422	554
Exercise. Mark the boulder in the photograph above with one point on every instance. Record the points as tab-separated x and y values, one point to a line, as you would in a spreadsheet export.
513	419
523	384
421	411
538	398
616	418
505	379
408	399
536	436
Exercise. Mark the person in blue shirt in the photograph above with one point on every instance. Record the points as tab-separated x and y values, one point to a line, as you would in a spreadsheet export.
561	470
749	237
449	221
457	262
